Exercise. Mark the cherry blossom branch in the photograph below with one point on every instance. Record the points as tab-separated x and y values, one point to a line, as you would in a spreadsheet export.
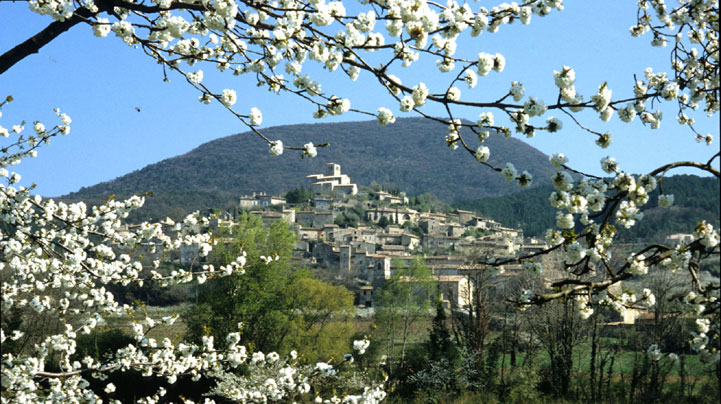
36	42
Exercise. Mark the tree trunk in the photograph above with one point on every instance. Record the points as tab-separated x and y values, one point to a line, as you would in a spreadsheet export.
593	360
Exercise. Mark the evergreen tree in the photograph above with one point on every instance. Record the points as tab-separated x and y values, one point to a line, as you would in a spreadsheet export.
440	345
383	222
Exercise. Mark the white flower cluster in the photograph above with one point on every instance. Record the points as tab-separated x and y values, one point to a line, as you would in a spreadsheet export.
531	266
61	257
617	303
654	353
361	345
526	296
482	154
228	97
708	236
88	247
270	378
584	307
256	117
276	148
695	67
60	10
385	116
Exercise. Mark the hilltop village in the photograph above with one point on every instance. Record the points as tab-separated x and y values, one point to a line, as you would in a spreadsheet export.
388	235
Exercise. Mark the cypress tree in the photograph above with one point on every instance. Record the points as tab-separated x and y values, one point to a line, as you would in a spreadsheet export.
440	345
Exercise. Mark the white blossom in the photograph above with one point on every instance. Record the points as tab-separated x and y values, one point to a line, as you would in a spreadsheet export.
509	172
482	154
228	97
276	148
385	116
256	117
310	150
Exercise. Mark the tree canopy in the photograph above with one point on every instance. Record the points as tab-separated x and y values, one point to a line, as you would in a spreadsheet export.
275	305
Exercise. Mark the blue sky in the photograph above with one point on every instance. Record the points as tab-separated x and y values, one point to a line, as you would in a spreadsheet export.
99	82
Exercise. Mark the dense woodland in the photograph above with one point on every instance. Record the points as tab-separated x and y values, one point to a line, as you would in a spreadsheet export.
411	153
696	199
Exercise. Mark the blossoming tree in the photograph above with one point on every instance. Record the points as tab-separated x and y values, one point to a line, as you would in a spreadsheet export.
57	257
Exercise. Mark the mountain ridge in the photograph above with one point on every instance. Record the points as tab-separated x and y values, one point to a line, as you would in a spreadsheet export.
410	153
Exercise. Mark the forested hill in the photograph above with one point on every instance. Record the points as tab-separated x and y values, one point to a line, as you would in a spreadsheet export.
412	154
696	198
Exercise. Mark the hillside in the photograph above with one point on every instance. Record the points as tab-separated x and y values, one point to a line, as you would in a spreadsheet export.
410	154
696	198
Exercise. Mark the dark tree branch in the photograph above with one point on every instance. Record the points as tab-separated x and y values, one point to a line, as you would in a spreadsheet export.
579	285
155	9
706	167
42	38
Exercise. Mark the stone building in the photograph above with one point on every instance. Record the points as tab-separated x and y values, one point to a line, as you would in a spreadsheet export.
332	181
393	215
314	219
261	199
392	199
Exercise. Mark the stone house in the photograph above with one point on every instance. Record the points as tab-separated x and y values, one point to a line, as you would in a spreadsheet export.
370	248
352	234
328	230
189	253
463	216
322	202
446	265
481	223
366	295
440	242
431	226
679	238
394	251
488	245
393	215
392	199
456	290
370	266
302	246
377	269
385	238
533	245
436	227
629	316
261	199
248	201
288	215
310	234
410	241
326	254
315	219
455	230
268	217
345	258
440	217
511	233
270	200
332	181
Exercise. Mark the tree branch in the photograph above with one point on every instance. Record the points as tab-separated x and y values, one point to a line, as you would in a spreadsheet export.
706	167
42	38
579	285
